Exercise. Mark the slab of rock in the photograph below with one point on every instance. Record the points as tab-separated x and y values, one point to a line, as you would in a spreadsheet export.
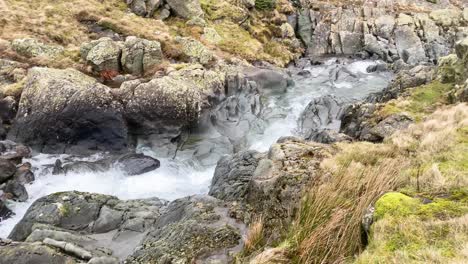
67	111
140	55
187	9
29	47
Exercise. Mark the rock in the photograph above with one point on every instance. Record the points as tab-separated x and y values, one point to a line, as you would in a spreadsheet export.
329	136
144	8
233	175
16	190
186	8
27	253
162	105
195	50
389	125
5	213
108	220
351	42
287	31
24	174
78	113
384	26
204	234
7	170
140	56
210	35
446	17
321	113
461	49
268	80
73	211
69	248
136	164
103	55
29	47
8	108
409	45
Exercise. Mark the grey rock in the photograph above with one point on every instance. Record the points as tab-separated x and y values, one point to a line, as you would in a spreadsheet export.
5	212
409	45
136	164
103	55
108	220
186	8
389	125
233	175
27	253
29	47
140	55
268	80
82	117
7	170
16	190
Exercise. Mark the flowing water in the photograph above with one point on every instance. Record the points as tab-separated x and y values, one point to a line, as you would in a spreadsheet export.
183	176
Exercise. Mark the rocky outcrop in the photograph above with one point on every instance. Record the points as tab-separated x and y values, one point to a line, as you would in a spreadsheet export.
268	185
67	111
381	29
144	8
134	231
22	253
29	47
187	9
195	50
134	56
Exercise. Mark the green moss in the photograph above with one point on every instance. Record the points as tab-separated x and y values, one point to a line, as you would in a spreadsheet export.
395	204
238	41
442	209
64	209
216	10
265	4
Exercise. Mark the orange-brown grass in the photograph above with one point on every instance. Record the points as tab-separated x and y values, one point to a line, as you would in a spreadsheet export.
254	237
328	226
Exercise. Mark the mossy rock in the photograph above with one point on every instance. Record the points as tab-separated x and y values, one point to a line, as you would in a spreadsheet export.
395	204
265	4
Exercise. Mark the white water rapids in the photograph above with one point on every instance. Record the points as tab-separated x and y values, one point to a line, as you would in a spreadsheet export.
183	176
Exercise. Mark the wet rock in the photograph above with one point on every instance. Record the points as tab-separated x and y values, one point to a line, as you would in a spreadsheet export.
140	55
13	152
29	47
24	174
108	220
73	211
233	175
268	80
8	108
103	55
7	170
321	113
186	8
205	233
16	191
80	114
5	212
136	164
26	253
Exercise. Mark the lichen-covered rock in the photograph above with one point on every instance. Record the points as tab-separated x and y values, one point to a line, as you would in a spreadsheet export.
140	55
210	35
144	8
161	102
26	253
446	17
103	54
191	230
187	9
29	47
72	210
233	175
195	50
67	111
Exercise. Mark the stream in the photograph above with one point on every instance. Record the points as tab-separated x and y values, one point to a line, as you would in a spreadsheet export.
183	175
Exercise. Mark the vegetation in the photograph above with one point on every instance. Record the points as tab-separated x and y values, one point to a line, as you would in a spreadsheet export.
265	4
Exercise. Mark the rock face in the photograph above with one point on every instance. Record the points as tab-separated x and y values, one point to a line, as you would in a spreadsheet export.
380	29
187	9
78	113
134	231
268	185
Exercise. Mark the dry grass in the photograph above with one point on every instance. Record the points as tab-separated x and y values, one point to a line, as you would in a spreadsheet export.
328	226
254	237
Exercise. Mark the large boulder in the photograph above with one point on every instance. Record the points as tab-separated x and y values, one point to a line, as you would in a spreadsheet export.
161	104
103	55
195	229
321	113
73	211
144	8
67	111
409	45
29	47
187	9
140	55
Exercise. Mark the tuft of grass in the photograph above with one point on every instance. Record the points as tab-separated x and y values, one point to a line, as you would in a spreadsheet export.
254	239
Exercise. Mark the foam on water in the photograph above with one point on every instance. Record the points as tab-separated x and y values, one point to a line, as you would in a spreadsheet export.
180	177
